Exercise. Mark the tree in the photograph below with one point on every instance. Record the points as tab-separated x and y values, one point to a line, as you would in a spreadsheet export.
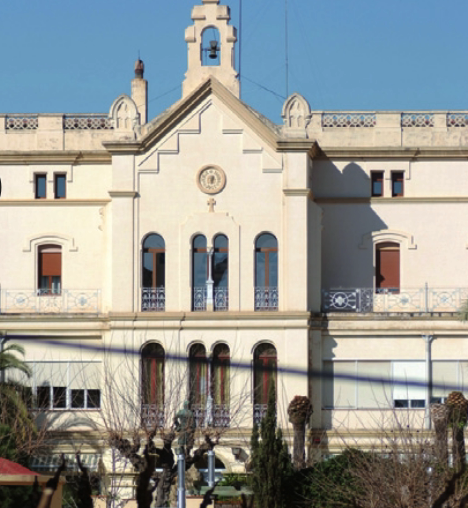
272	470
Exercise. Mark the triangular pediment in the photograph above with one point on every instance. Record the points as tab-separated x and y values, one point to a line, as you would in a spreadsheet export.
210	112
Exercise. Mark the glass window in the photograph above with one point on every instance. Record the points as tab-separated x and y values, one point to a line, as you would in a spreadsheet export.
198	375
397	183
339	384
266	256
220	374
409	382
387	260
377	183
199	272
50	270
154	262
152	362
265	366
60	181
220	261
40	181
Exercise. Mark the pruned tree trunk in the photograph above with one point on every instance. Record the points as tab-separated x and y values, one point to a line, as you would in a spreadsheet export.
440	419
299	445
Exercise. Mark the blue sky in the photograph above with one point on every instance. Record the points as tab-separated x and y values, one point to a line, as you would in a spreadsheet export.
77	56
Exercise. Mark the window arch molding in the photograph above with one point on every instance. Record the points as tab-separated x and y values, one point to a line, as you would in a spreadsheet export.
264	233
66	242
260	342
370	240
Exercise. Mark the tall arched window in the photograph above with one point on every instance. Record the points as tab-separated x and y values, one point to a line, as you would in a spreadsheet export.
220	272
265	366
266	272
387	267
49	270
153	273
199	272
152	385
220	385
198	382
210	49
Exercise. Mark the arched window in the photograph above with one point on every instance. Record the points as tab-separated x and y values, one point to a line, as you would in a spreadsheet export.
265	366
266	272
387	267
220	385
153	273
49	270
198	383
220	272
199	272
152	385
210	50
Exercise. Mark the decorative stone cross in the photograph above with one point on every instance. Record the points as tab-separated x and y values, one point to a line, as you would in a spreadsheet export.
211	202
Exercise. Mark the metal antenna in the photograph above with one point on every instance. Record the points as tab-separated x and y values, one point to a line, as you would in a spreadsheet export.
286	38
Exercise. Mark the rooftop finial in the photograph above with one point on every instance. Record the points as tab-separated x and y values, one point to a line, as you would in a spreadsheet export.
139	67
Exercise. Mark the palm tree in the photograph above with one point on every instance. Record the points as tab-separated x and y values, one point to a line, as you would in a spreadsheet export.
14	411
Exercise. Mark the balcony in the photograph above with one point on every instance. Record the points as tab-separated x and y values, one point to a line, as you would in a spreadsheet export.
68	301
218	415
153	299
416	300
152	416
220	299
266	298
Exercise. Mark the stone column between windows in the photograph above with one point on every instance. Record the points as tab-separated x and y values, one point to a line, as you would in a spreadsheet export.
122	251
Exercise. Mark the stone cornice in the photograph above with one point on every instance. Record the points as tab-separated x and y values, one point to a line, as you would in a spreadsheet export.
297	192
123	194
396	200
397	152
54	202
54	157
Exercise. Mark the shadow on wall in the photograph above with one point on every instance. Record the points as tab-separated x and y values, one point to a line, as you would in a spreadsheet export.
344	197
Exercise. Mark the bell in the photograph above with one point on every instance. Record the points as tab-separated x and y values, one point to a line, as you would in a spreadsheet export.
213	50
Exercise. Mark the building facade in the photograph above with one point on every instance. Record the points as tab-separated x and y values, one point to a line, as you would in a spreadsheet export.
206	253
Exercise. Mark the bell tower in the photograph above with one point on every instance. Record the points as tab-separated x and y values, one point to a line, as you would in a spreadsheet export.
211	47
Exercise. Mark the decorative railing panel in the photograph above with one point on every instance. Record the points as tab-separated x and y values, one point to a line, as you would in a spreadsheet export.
386	301
199	298
259	412
68	301
417	119
199	414
221	299
87	122
348	120
266	298
153	299
457	119
152	416
21	122
221	415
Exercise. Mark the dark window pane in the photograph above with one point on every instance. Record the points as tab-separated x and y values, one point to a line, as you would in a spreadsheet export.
260	269
60	397
221	242
160	269
397	183
154	242
78	399
418	403
41	186
26	395
199	269
273	269
147	270
266	241
401	403
94	399
377	183
220	269
60	188
43	397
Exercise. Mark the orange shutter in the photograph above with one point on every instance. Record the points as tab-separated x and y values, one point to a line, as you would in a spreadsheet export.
388	267
51	264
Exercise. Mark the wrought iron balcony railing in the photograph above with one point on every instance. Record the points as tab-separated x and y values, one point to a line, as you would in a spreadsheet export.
266	298
78	301
259	412
152	416
214	415
153	299
423	299
200	298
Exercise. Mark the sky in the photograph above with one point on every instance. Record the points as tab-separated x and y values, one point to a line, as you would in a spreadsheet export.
65	56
